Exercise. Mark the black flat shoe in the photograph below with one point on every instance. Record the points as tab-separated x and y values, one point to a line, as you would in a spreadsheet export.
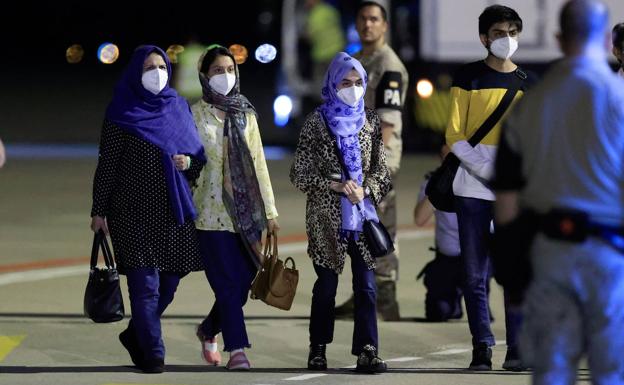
369	362
316	358
155	365
129	341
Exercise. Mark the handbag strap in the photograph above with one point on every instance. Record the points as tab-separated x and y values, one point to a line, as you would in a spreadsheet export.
497	114
270	248
100	241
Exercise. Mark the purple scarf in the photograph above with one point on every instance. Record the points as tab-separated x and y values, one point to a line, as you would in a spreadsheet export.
164	120
345	122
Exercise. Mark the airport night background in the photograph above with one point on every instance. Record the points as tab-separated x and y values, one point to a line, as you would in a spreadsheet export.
46	99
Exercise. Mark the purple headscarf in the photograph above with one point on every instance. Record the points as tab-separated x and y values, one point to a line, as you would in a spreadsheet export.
164	119
345	122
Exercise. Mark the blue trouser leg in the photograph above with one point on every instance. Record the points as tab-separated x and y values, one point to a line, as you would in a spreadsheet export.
150	292
230	272
513	320
323	303
474	217
365	300
324	299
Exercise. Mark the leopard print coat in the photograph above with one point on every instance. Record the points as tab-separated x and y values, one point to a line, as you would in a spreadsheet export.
315	159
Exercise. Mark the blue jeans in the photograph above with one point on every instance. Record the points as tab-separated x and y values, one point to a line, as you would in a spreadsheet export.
365	299
230	271
474	217
151	291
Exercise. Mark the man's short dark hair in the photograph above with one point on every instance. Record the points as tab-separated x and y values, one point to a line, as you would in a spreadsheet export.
618	36
365	4
498	14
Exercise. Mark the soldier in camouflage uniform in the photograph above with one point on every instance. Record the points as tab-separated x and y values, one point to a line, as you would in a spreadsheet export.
387	85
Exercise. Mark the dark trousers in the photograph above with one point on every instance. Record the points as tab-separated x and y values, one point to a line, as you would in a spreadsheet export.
365	297
151	291
474	217
230	271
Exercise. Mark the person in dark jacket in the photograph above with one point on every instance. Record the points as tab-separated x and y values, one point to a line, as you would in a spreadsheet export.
149	154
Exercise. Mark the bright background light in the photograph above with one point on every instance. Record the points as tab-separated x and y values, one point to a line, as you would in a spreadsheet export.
239	52
108	53
265	53
424	88
282	107
74	54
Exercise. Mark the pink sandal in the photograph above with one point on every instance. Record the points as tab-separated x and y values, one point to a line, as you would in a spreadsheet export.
210	351
238	361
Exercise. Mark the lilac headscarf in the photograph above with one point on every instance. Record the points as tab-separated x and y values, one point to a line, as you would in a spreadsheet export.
345	122
164	119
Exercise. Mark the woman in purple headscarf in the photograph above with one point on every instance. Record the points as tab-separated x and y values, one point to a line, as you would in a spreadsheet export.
149	153
340	164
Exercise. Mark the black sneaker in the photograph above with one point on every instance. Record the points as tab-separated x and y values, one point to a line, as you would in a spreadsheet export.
345	311
512	360
369	362
155	365
481	357
129	340
316	358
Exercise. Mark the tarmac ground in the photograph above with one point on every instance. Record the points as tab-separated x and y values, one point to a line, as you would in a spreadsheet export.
45	339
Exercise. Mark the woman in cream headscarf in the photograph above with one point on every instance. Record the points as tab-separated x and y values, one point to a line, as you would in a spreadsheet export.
235	202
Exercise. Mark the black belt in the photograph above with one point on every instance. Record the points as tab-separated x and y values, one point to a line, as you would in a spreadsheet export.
575	226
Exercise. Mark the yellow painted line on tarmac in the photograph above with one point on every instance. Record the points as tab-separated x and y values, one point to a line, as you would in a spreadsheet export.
8	343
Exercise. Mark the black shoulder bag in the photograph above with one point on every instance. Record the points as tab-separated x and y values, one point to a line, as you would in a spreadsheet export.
440	187
102	300
379	241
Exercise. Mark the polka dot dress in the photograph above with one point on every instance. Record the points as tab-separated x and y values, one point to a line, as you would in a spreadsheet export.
129	189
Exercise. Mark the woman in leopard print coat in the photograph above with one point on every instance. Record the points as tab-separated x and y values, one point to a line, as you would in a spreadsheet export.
342	127
315	162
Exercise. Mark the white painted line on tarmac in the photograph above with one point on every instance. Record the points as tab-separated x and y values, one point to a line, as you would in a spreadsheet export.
300	247
448	352
41	274
349	367
403	359
415	234
60	272
305	377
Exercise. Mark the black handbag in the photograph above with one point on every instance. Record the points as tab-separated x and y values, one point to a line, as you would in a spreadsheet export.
102	299
379	240
380	243
439	190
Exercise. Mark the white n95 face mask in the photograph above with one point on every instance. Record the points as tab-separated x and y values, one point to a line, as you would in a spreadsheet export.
222	83
351	95
504	47
154	80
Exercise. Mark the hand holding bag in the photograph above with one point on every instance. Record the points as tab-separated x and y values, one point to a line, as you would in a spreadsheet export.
275	284
379	240
380	243
102	299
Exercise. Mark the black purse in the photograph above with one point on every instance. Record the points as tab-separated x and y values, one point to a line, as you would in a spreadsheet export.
379	241
102	299
439	189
